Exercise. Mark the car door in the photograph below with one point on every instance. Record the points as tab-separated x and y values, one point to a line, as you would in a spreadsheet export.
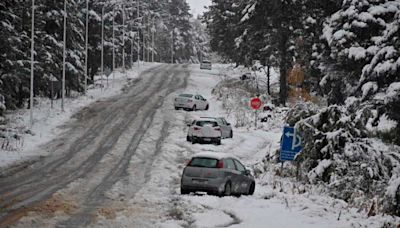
224	127
198	102
235	175
243	179
202	101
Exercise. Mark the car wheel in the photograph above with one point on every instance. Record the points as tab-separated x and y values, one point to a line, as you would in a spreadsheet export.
228	189
192	140
231	134
251	189
188	138
194	108
218	142
206	107
184	191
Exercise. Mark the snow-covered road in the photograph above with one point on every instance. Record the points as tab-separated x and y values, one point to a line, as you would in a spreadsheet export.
119	165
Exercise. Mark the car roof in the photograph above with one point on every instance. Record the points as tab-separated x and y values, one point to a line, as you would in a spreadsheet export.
206	119
215	155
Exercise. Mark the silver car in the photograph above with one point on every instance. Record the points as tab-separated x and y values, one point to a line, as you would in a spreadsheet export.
204	130
226	128
191	102
206	64
217	173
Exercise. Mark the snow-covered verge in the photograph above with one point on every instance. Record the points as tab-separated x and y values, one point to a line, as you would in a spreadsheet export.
19	142
279	201
343	154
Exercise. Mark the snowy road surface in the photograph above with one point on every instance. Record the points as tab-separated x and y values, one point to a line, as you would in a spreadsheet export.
119	161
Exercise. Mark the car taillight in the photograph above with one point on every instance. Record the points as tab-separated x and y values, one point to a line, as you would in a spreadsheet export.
218	129
196	128
220	164
190	101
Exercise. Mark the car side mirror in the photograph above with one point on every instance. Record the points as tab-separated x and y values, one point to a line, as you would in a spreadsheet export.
189	124
247	172
229	124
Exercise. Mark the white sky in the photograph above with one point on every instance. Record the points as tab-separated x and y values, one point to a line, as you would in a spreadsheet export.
197	6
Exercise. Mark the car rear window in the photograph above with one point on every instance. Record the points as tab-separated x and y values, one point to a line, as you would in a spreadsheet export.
204	162
186	95
205	61
205	123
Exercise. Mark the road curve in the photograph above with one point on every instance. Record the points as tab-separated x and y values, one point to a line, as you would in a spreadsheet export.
94	151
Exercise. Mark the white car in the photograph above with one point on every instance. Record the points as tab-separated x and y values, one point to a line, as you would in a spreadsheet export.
191	102
204	130
226	128
206	64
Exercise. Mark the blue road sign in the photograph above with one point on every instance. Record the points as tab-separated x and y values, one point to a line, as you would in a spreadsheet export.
290	144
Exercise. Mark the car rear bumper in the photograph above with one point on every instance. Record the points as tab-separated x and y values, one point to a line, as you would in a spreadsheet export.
207	139
207	185
180	105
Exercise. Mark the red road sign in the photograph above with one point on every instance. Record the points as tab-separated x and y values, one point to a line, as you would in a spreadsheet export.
256	103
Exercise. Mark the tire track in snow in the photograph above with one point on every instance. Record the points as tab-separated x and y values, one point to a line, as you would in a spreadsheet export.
44	191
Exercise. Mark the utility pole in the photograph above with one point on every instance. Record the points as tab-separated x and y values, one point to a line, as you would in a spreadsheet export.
138	33
86	44
144	40
152	42
172	40
138	37
113	44
148	39
32	64
102	46
123	38
65	44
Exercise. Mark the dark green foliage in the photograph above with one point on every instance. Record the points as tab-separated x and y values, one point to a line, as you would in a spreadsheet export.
161	16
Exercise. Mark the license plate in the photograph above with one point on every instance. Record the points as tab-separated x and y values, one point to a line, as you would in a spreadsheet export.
199	181
207	139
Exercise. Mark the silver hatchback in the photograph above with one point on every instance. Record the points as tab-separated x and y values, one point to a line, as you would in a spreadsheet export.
217	173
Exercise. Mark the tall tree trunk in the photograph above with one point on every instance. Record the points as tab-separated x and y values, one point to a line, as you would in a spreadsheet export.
283	66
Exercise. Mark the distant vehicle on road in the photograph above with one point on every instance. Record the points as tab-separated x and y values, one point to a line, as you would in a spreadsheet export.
191	102
226	128
206	64
247	76
217	173
204	130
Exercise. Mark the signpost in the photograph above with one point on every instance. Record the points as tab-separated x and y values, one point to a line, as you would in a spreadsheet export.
290	145
255	104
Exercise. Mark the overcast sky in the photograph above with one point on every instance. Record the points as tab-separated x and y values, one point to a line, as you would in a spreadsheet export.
197	6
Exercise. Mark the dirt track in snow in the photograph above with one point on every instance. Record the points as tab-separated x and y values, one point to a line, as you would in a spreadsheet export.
92	155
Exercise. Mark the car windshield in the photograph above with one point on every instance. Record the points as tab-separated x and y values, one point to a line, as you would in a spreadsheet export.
206	123
186	95
204	162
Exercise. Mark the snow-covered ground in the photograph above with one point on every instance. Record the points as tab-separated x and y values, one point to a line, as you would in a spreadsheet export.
150	197
277	202
48	121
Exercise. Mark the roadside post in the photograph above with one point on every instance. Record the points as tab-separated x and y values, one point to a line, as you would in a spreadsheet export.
52	81
291	145
255	104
